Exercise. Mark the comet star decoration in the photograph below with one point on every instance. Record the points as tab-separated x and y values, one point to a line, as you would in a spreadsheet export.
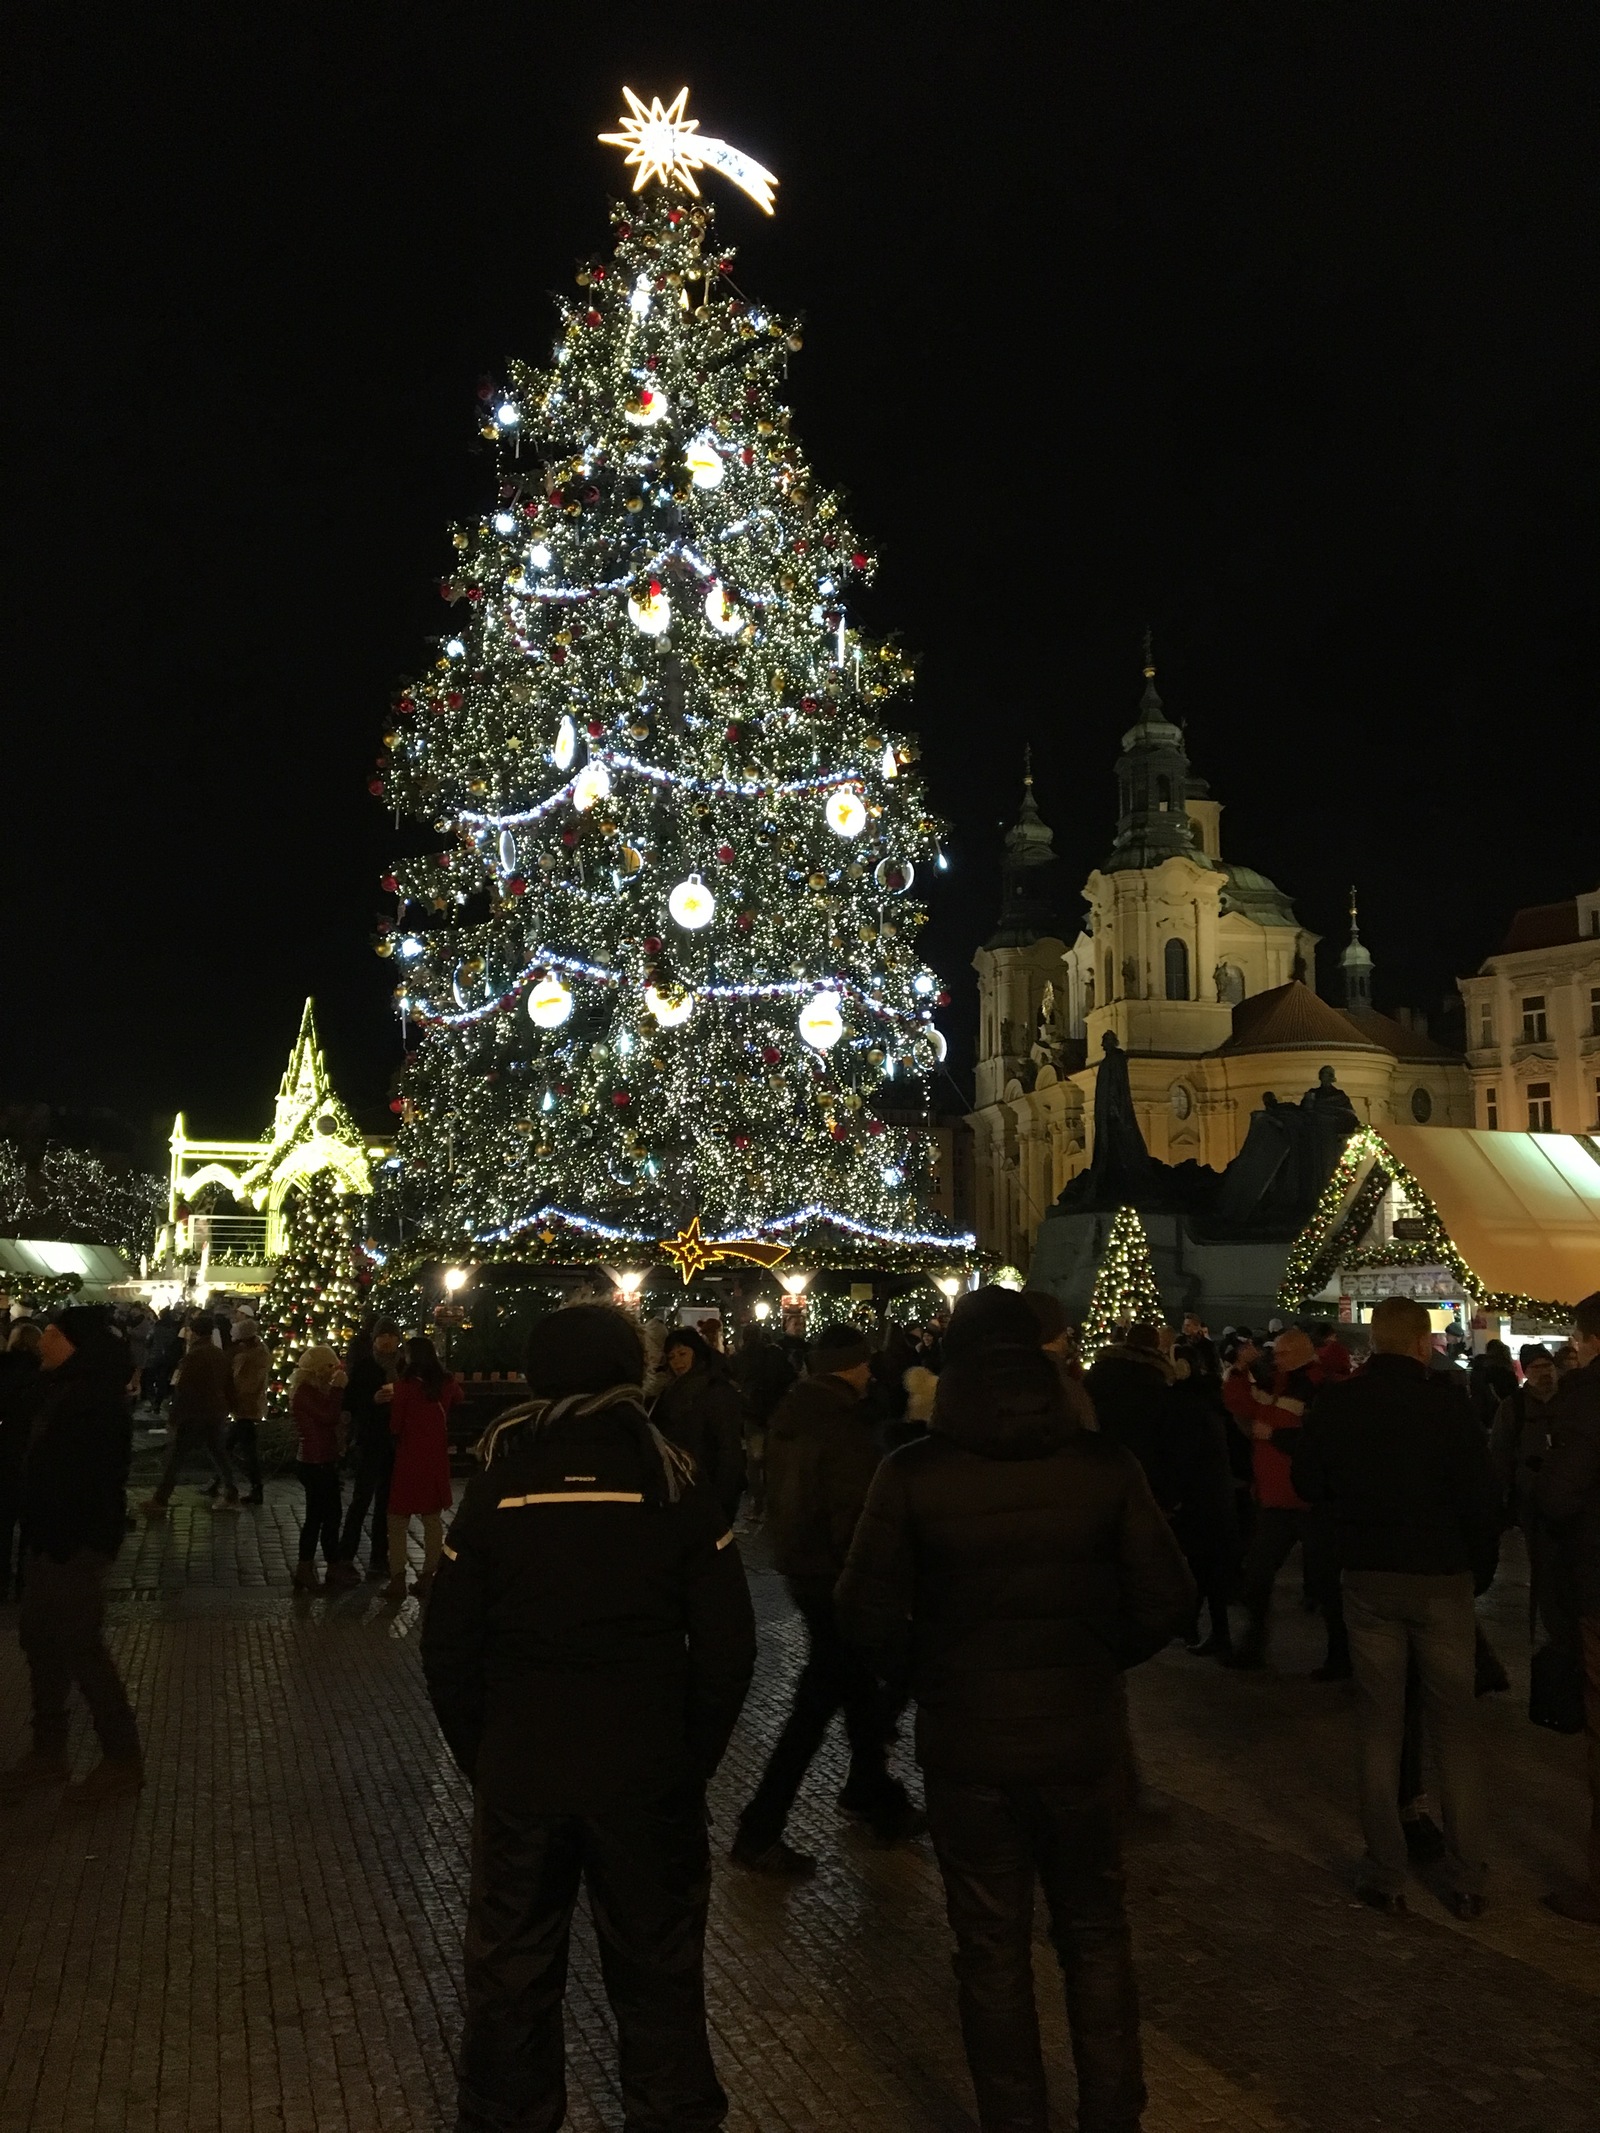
654	936
671	148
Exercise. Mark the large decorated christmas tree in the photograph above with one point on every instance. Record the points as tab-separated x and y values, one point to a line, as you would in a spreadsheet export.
661	958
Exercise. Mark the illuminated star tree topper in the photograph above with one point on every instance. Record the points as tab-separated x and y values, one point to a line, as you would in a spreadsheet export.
670	148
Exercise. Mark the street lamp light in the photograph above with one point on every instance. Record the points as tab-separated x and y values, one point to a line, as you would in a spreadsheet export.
949	1286
794	1285
456	1277
629	1281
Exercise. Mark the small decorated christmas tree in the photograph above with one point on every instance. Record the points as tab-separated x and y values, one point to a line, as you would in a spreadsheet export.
663	955
1125	1292
314	1295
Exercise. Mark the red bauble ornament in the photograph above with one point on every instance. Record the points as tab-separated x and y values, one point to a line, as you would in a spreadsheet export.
441	859
942	999
859	560
375	785
745	921
675	216
397	1104
723	265
591	495
455	699
621	1099
748	456
733	733
651	944
558	653
652	362
569	837
725	854
591	318
530	510
841	1133
516	885
389	882
741	1140
808	703
446	589
595	729
874	1125
624	229
770	1054
597	273
474	592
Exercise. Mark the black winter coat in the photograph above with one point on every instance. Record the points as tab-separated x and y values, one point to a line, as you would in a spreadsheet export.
1131	1391
75	1475
821	1457
1005	1569
1206	1519
20	1385
1567	1491
703	1414
589	1640
1396	1455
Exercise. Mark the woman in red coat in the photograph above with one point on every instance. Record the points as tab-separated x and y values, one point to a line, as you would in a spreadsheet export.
422	1397
316	1400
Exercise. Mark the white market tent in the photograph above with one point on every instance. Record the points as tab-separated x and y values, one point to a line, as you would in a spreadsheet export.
1522	1209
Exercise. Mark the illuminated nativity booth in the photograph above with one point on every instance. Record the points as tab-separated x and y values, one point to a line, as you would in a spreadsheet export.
659	977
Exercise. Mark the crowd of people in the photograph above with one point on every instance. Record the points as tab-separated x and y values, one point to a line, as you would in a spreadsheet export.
970	1520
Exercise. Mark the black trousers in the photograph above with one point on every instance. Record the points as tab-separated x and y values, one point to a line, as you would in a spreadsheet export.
369	1491
194	1440
1271	1544
63	1613
10	1518
647	1868
834	1677
991	1841
241	1444
320	1526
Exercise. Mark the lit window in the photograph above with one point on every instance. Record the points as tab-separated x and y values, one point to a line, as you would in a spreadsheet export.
1535	1023
1491	1109
1540	1110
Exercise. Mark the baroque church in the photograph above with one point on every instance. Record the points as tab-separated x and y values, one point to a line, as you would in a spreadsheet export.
1197	967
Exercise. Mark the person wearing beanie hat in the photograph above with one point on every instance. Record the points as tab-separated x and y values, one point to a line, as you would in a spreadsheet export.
74	1499
1006	1569
984	1316
821	1457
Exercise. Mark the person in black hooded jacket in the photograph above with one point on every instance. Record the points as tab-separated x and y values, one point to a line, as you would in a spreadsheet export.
74	1504
701	1410
587	1646
1005	1570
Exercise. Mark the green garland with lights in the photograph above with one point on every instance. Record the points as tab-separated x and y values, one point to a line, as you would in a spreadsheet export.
661	955
1345	1212
1125	1291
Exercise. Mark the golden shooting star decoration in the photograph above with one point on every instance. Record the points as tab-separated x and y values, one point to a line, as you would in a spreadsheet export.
670	148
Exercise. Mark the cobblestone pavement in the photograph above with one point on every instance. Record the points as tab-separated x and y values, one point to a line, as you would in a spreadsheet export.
268	1938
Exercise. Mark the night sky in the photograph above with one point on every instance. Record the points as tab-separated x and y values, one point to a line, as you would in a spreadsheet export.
1271	326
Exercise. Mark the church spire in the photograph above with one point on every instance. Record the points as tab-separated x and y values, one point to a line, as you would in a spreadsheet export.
1355	963
1027	872
1152	784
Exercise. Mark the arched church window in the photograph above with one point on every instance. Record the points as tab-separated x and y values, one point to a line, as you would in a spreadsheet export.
1177	967
1111	973
1230	984
1163	792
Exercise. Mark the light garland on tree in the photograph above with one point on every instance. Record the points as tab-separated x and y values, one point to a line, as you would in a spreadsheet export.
1125	1291
313	1296
648	468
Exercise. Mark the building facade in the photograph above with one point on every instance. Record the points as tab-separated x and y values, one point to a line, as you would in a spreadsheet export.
1200	969
1533	1023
